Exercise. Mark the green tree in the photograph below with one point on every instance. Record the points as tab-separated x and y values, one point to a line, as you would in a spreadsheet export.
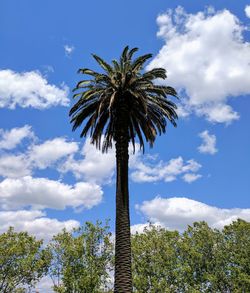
155	260
81	259
202	260
120	104
23	262
237	243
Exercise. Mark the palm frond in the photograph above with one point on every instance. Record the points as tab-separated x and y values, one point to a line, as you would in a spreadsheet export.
123	100
138	63
131	53
124	55
103	64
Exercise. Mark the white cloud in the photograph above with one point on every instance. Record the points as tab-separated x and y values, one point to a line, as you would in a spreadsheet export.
14	166
95	166
167	171
9	139
219	113
247	11
40	193
208	145
68	49
178	212
49	152
30	89
34	222
206	55
191	177
58	153
40	156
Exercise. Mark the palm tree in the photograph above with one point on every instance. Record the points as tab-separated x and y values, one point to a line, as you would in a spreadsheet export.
120	104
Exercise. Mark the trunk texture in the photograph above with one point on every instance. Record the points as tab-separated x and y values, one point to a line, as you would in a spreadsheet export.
123	275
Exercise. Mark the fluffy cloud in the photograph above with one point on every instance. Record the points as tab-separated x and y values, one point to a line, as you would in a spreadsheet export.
68	49
94	167
206	55
9	139
47	153
58	153
178	212
247	11
208	145
14	166
34	222
29	89
168	171
40	193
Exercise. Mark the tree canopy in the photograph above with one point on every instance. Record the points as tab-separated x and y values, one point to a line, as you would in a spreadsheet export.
81	259
201	259
22	261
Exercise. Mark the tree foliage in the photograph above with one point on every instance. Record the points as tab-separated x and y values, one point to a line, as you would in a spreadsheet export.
81	259
237	242
22	261
154	260
201	259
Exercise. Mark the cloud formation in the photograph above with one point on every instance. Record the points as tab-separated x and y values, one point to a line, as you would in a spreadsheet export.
14	166
9	139
47	153
206	55
34	222
93	165
30	89
146	171
40	193
177	212
247	11
208	145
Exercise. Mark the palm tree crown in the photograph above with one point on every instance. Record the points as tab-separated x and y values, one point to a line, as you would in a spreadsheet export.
123	91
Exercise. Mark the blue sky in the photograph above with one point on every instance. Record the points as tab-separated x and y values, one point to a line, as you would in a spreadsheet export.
50	178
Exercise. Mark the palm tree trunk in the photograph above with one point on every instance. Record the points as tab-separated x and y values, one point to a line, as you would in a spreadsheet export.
123	275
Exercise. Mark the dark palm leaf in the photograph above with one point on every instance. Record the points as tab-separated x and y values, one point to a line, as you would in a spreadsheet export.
122	87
